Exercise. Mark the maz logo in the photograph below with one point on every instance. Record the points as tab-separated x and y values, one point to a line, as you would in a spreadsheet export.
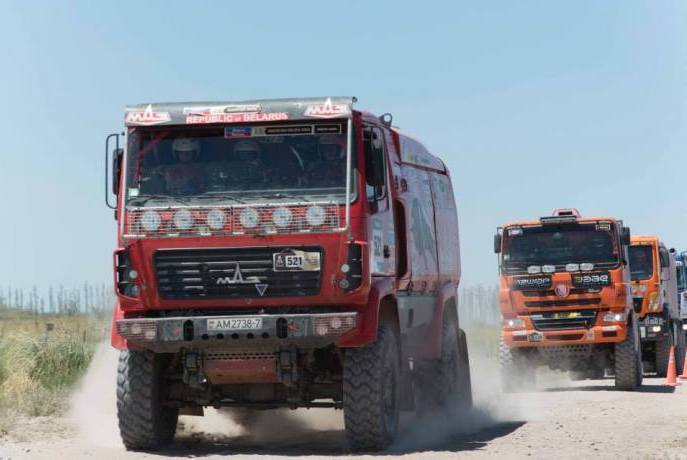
239	279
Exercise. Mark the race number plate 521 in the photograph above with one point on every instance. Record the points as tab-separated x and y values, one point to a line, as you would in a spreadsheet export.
234	324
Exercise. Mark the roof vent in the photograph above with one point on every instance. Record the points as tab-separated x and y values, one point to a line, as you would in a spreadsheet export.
560	212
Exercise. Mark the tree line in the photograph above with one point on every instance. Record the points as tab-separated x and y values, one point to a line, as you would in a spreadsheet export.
87	298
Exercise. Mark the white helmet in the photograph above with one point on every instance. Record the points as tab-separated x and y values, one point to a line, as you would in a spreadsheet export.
185	144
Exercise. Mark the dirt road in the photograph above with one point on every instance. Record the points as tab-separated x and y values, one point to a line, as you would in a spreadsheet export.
560	420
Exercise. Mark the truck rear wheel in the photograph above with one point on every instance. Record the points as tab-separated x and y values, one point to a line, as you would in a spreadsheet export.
663	344
628	359
144	423
444	384
516	374
371	392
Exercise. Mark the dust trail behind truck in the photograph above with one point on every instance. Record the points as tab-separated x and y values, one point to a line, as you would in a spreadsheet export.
565	299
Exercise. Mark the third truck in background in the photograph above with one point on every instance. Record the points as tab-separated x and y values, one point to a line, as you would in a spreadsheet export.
655	297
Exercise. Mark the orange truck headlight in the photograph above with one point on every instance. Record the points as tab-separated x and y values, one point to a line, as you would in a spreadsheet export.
514	323
615	317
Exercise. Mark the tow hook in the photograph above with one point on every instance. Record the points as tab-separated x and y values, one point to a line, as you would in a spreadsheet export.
193	370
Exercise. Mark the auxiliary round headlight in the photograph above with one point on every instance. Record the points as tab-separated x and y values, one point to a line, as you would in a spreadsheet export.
281	216
249	218
216	219
183	219
150	221
315	216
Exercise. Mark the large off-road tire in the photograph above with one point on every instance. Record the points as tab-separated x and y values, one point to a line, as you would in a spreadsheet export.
516	372
679	346
443	385
144	423
663	344
628	359
371	392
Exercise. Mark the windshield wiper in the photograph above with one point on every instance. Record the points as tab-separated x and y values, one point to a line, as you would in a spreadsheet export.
281	195
218	196
142	200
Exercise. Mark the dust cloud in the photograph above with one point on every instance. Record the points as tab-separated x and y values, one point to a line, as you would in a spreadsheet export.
93	413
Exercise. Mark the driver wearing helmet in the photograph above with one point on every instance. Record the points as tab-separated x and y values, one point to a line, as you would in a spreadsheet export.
330	169
249	168
184	176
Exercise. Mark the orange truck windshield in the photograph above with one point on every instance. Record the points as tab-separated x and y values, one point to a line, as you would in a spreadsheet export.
527	248
641	262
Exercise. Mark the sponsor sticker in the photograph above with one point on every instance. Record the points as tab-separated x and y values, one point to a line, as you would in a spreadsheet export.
240	117
219	109
147	117
328	129
525	283
327	110
239	131
591	279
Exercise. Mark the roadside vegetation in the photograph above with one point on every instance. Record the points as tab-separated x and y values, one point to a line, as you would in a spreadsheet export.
41	356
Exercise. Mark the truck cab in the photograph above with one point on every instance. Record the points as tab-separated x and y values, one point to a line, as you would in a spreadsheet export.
655	295
565	299
282	253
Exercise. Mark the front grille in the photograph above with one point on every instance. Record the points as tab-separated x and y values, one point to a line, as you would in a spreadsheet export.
554	321
212	274
551	292
563	303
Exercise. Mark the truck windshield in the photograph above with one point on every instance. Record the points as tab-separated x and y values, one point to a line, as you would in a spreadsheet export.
243	163
559	245
641	262
681	281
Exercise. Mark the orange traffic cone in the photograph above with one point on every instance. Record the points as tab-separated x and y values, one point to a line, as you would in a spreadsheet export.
671	377
684	370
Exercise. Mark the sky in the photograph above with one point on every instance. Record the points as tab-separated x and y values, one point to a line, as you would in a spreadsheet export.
533	105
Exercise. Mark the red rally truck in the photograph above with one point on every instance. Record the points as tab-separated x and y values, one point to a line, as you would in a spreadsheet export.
281	253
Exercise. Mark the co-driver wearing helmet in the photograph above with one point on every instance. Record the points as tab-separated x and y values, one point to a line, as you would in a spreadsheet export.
330	169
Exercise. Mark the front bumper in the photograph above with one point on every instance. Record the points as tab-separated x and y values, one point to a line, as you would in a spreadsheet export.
652	327
268	332
609	333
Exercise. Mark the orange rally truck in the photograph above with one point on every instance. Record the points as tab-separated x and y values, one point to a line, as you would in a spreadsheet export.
655	295
565	299
282	253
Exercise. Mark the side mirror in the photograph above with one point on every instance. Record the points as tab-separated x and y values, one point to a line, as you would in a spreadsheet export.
374	158
116	170
625	238
497	243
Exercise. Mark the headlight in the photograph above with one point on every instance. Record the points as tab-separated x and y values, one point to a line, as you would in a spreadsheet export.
249	218
615	317
183	219
533	269
150	221
315	216
572	267
281	217
514	323
586	267
548	268
216	219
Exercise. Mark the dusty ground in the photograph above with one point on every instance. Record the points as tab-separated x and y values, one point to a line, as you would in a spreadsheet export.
560	420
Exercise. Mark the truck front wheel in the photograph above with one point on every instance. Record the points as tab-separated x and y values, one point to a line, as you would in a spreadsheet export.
144	423
371	392
628	359
516	371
